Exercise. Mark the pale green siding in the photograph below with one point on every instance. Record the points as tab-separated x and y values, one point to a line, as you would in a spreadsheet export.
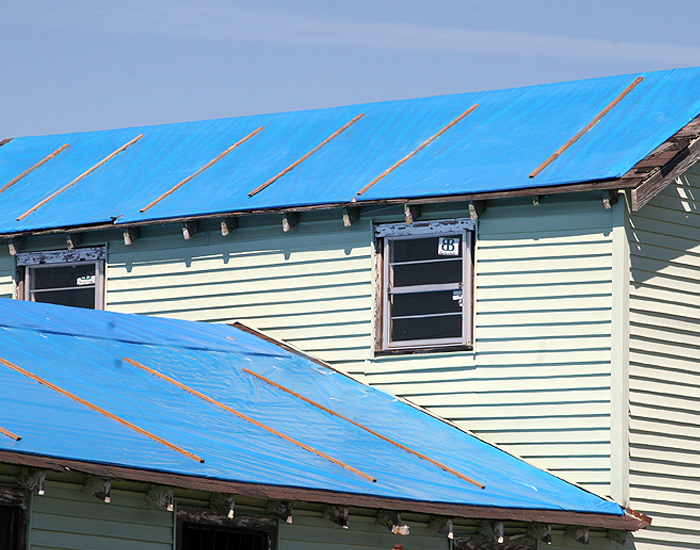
543	315
538	383
665	365
65	518
7	269
311	287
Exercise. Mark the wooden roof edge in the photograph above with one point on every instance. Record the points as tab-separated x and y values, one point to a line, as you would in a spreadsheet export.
630	521
664	164
287	347
4	141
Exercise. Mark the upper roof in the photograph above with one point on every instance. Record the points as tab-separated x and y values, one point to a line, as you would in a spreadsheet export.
496	147
96	356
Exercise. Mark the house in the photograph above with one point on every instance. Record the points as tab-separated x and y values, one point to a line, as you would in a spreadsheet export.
520	262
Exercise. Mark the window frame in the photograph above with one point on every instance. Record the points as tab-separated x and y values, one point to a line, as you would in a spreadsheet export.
385	235
28	262
248	524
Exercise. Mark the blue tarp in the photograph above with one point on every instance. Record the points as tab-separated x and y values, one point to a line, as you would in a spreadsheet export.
495	148
83	352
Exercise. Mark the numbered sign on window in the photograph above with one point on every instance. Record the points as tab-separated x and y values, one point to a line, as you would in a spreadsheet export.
448	246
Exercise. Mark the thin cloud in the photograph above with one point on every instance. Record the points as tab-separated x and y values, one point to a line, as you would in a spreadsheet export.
228	23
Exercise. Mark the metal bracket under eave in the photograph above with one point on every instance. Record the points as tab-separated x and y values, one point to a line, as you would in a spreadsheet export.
73	240
443	525
392	521
16	244
163	497
579	534
189	229
131	234
229	225
223	504
609	198
33	480
663	176
350	215
411	212
99	488
340	515
280	509
290	220
476	209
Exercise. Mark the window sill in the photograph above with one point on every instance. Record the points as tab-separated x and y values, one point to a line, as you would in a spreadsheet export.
415	351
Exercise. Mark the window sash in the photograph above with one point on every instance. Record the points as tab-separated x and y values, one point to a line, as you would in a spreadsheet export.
97	286
389	290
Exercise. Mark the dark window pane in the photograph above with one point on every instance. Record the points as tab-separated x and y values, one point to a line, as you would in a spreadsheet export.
77	297
426	328
63	276
9	520
412	250
424	303
446	271
205	537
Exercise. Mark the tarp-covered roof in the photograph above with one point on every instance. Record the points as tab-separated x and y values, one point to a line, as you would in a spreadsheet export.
85	353
494	148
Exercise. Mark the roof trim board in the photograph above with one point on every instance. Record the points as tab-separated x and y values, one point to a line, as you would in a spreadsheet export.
630	521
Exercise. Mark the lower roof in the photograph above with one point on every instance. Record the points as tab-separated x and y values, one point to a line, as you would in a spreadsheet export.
212	406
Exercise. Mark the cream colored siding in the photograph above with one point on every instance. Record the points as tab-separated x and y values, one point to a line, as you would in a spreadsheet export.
665	365
7	269
311	287
66	518
538	382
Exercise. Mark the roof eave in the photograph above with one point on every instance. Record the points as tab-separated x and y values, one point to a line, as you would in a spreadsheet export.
630	521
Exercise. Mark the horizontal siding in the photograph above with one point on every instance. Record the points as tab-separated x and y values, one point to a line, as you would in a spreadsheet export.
311	287
7	270
542	316
665	367
67	519
538	383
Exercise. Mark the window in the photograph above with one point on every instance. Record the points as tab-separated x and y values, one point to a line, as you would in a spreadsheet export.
425	285
65	277
212	537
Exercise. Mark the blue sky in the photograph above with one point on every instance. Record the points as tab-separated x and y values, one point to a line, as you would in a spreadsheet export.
91	64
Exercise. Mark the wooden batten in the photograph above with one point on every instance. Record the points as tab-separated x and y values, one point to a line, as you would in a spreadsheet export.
202	169
586	128
416	150
98	409
80	177
306	156
32	168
